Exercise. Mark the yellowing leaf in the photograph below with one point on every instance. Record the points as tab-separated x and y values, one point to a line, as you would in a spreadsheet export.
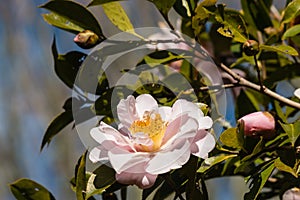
232	138
283	167
281	49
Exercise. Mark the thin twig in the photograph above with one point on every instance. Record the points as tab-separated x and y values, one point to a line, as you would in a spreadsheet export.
243	82
258	74
219	87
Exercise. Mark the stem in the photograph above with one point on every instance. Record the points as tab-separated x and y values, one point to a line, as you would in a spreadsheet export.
243	82
172	184
258	74
219	87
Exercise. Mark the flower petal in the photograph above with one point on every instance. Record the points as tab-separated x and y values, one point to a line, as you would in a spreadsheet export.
183	106
98	155
105	132
297	93
127	112
122	160
205	123
203	146
142	180
145	102
165	161
165	112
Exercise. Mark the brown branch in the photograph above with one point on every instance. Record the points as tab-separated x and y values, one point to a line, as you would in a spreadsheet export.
243	82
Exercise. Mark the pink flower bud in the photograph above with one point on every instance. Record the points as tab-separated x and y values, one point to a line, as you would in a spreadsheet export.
291	194
258	124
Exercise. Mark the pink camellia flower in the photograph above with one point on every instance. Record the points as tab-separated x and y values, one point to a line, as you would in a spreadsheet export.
258	124
152	140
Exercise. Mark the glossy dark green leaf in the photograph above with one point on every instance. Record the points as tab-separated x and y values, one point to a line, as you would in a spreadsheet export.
291	11
100	2
257	149
293	130
164	8
117	15
26	189
80	178
149	191
67	66
105	176
291	32
184	8
69	11
280	49
258	181
232	138
57	124
256	13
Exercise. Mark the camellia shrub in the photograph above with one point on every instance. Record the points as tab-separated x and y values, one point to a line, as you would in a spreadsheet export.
150	103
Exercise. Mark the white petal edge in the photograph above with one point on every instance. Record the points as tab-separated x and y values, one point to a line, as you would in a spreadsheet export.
205	123
205	145
297	93
145	102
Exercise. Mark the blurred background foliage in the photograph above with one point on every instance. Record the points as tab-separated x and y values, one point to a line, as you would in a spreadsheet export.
31	94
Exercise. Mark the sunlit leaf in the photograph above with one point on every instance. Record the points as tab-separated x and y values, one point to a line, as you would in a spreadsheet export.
117	15
293	130
26	189
280	49
61	22
291	11
233	25
100	2
232	138
80	178
259	181
283	167
211	161
68	12
291	32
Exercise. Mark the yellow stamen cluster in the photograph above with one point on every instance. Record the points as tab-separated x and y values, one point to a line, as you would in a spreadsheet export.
151	125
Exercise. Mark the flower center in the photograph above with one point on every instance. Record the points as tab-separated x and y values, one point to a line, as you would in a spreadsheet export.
152	126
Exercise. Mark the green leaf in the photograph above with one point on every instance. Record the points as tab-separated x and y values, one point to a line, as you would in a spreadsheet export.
117	15
257	149
163	6
283	167
211	161
57	124
293	130
233	25
100	2
280	49
105	176
68	11
80	178
291	11
26	189
61	22
67	66
259	181
232	138
291	32
256	14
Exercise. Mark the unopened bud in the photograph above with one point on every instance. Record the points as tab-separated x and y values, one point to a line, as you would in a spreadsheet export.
87	39
258	124
251	47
